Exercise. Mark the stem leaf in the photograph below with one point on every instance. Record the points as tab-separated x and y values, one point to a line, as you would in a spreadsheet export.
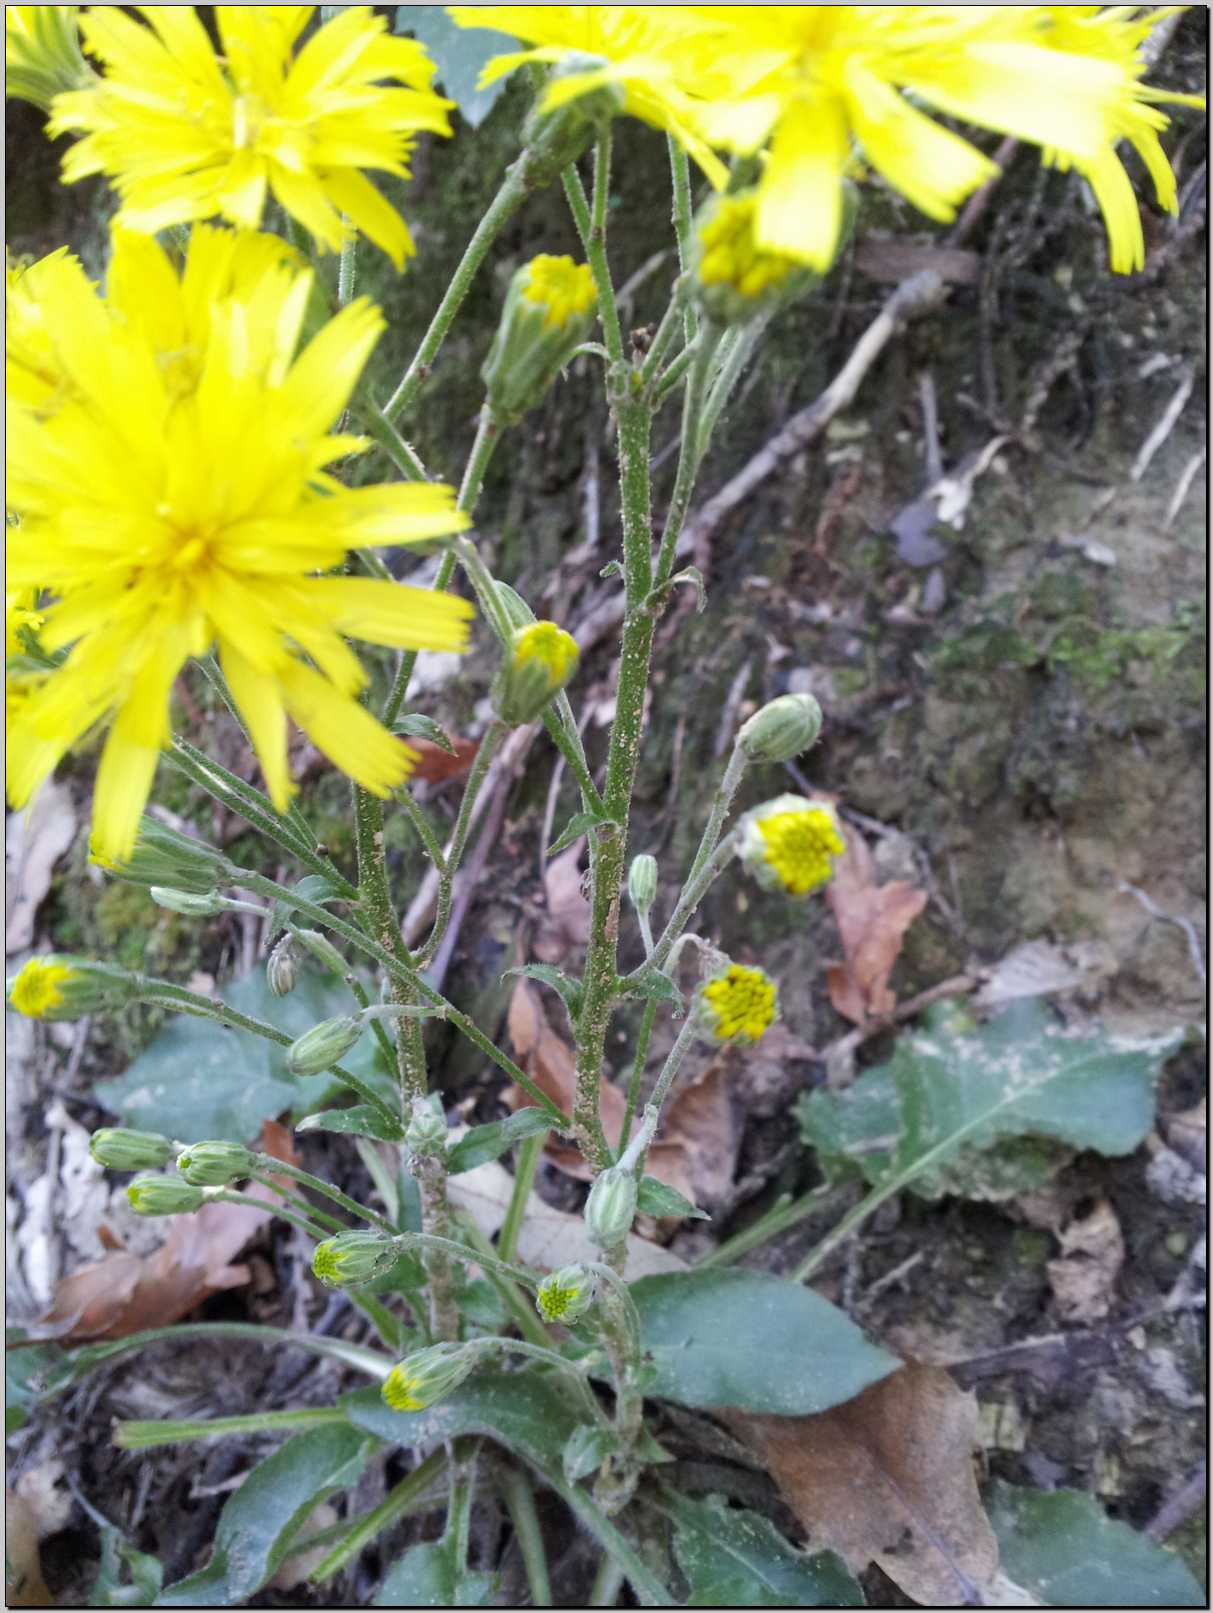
580	823
417	726
656	1198
490	1141
568	988
359	1120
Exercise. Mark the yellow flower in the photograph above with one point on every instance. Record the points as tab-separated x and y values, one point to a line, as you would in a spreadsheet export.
813	80
548	646
38	989
738	1005
186	134
60	986
562	288
566	1295
165	522
730	254
791	843
659	57
539	661
426	1376
34	377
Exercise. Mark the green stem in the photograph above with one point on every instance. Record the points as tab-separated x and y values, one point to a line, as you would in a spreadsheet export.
608	1579
346	266
671	324
852	1221
519	1497
320	1217
680	181
136	1435
362	998
590	219
267	1163
740	351
448	864
401	453
478	1256
688	455
642	1048
650	1592
227	1195
422	827
678	368
722	801
500	210
408	660
385	1324
523	1311
526	1162
398	1502
693	893
430	1173
673	1062
784	1213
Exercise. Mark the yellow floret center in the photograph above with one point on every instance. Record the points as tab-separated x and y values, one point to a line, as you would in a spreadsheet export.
402	1391
564	289
801	846
554	1300
38	987
742	1002
549	645
731	256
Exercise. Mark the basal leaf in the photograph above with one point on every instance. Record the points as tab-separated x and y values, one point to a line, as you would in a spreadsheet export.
430	1575
734	1558
460	54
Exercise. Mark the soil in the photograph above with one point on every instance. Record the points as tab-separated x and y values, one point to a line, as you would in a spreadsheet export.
1017	726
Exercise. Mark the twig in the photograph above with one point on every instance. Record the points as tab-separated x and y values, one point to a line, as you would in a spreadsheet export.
1179	1506
1164	427
980	199
1186	925
1187	477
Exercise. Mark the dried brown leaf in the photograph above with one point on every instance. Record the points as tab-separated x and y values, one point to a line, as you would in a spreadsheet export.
24	1585
872	921
701	1126
888	1478
436	765
34	841
564	925
1092	1252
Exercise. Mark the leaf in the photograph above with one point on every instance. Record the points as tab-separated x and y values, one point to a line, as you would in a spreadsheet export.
359	1120
888	1477
872	921
735	1558
259	1521
694	577
655	1198
314	888
937	1117
25	1371
751	1341
1063	1548
568	988
460	54
483	1143
657	986
1083	1280
579	824
430	1575
435	766
415	725
200	1081
146	1574
24	1585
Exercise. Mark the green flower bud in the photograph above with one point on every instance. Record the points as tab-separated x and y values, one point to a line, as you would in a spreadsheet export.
121	1150
163	1195
642	882
215	1164
323	950
176	861
539	662
200	907
56	985
566	1295
548	313
516	608
791	844
782	730
321	1047
42	54
426	1131
427	1376
282	967
555	138
611	1207
352	1258
736	1004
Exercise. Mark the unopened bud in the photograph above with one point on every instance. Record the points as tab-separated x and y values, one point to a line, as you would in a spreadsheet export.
163	1195
165	858
426	1131
427	1376
556	135
611	1207
566	1295
323	950
548	313
119	1149
320	1048
282	968
642	882
782	729
539	661
215	1164
353	1257
57	985
194	906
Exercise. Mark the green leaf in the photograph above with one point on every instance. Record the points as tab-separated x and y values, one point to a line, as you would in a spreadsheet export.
738	1559
431	1576
693	576
259	1522
197	1080
311	888
415	726
568	988
147	1574
658	986
579	824
359	1120
28	1368
1062	1547
487	1142
656	1198
988	1111
459	54
751	1341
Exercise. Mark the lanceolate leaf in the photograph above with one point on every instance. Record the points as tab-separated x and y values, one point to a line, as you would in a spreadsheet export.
484	1143
569	989
359	1120
430	1575
655	1198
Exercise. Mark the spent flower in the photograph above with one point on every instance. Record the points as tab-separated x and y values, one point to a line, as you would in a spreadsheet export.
611	1206
120	1149
215	1164
791	844
781	730
320	1048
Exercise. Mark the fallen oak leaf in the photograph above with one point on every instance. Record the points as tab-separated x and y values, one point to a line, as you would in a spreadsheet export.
872	921
887	1477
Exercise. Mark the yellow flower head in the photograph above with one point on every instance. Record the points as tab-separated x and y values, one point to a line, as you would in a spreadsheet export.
424	1377
737	1005
34	377
562	288
791	843
548	646
186	134
729	254
39	988
167	521
565	1295
540	660
22	621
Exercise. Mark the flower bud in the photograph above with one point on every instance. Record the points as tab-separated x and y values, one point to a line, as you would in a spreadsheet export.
119	1149
611	1207
781	730
426	1130
539	661
200	907
215	1164
642	882
548	313
426	1376
556	137
736	1004
323	950
734	277
321	1047
790	844
282	967
163	1195
176	861
566	1295
42	54
352	1258
56	985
